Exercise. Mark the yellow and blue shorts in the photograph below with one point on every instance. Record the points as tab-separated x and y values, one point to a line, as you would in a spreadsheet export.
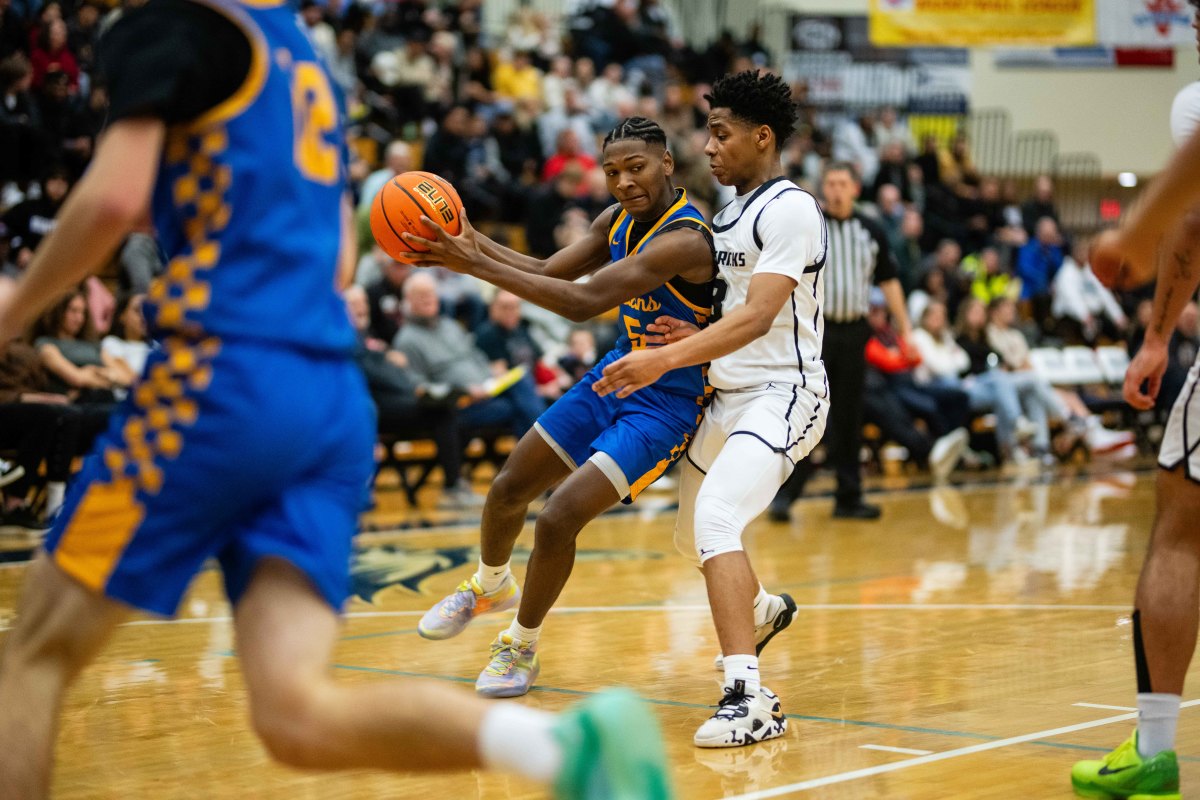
632	440
229	450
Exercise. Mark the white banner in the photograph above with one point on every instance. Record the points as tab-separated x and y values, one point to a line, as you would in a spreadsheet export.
1144	23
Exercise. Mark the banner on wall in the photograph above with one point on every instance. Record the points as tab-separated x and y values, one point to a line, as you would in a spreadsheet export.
1144	23
835	57
971	23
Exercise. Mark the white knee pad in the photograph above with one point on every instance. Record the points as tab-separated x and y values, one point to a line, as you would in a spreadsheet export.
718	527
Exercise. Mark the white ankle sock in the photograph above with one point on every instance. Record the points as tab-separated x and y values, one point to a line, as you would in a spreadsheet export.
1158	714
55	491
762	606
490	578
521	741
742	668
522	634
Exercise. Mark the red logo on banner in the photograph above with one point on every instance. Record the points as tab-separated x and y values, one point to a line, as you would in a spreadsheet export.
1161	11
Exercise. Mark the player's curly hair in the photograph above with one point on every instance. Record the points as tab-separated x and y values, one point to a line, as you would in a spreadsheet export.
641	128
759	99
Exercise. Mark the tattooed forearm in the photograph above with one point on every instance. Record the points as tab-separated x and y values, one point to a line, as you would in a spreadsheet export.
1183	263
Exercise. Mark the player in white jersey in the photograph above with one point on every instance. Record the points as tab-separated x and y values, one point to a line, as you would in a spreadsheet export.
770	400
1160	238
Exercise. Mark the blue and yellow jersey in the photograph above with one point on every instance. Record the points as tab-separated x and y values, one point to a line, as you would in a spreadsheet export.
675	298
238	192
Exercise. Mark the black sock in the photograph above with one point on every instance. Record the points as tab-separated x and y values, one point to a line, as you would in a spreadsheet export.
1139	655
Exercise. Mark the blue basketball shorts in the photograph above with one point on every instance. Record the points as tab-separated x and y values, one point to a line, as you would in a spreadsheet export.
229	450
632	440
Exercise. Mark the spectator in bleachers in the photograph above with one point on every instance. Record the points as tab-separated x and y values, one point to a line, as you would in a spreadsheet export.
1037	264
408	408
574	117
319	31
557	81
547	206
580	357
852	144
891	129
520	149
1039	402
140	260
946	366
32	220
51	54
516	78
1085	309
23	152
893	171
991	278
129	341
892	400
1040	206
505	339
397	158
70	354
385	294
929	160
475	78
609	90
906	247
440	351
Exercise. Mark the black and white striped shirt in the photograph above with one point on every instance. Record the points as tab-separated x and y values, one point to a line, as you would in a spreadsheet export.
858	257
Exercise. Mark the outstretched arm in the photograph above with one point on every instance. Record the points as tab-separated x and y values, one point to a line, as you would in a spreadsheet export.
608	287
767	294
108	201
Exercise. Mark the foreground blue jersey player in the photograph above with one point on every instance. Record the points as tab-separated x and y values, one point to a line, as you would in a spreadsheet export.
652	255
249	438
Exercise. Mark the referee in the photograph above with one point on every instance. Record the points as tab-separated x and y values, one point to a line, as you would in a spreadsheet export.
858	256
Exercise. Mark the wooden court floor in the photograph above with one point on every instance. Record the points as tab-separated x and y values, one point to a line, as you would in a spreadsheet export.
972	644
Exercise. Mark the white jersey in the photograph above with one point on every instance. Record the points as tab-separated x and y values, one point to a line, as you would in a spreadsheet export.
778	228
1185	113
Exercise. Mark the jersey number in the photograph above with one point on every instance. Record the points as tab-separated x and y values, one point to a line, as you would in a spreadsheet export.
316	117
720	289
633	327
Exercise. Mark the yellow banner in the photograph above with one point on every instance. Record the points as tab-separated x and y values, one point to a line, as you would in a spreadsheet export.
966	23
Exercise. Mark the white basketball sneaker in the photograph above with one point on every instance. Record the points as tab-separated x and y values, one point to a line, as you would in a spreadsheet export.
743	719
780	616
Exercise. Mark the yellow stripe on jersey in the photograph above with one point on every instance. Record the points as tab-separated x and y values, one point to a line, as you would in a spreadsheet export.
99	532
612	239
678	204
702	312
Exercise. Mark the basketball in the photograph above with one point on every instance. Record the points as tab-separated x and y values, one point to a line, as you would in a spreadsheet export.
401	202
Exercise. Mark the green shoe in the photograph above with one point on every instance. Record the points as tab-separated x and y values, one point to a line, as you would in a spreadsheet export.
612	750
1125	775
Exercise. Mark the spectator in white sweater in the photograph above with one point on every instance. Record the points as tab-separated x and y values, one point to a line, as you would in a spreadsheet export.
944	362
1084	306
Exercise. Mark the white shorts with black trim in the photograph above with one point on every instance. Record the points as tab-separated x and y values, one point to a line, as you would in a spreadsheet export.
785	418
1181	440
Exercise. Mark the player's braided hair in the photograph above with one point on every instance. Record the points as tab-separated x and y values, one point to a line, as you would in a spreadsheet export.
647	130
757	98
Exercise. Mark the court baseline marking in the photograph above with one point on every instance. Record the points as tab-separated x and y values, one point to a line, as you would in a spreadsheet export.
843	777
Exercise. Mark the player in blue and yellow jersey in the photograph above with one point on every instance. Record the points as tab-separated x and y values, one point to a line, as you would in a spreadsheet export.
249	437
652	255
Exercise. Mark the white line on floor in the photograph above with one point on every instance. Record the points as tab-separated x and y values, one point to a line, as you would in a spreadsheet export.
905	750
700	608
1104	707
794	788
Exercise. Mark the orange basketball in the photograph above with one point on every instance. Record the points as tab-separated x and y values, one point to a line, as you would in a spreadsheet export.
401	202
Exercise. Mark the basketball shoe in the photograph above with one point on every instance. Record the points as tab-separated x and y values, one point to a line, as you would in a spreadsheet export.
1124	775
455	612
742	719
513	668
779	618
612	750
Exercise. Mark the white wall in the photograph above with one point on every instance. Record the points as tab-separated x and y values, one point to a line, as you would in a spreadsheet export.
1118	114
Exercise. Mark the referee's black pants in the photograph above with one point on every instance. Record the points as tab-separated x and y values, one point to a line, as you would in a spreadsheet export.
844	353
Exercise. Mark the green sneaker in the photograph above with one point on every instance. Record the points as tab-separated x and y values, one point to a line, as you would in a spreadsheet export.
612	750
1125	775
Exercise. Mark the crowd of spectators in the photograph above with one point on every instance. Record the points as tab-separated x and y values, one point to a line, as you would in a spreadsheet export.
514	120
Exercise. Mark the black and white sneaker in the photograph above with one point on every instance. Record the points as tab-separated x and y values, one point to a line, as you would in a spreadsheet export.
22	522
10	472
784	613
743	719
